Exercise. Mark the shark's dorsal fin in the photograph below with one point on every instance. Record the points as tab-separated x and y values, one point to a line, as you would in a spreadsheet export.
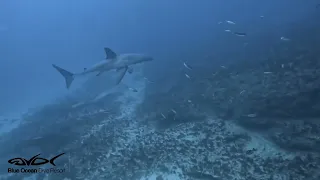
109	53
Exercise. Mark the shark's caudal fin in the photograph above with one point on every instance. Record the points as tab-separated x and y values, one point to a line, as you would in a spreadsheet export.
68	76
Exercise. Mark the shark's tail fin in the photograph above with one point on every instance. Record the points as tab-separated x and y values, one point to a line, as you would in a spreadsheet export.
68	76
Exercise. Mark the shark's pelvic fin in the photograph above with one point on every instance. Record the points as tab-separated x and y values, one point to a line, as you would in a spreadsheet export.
130	70
68	76
109	53
122	73
99	73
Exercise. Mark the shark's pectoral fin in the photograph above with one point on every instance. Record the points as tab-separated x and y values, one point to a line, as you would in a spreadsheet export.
122	73
109	53
130	69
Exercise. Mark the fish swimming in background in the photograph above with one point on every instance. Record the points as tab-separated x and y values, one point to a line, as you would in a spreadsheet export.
252	115
163	116
187	76
240	34
120	62
175	112
230	22
148	80
227	30
133	89
284	39
187	66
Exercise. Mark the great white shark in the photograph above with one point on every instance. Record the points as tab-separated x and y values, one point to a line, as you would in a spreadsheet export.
120	62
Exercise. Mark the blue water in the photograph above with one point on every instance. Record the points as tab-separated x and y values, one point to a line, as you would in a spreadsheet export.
35	34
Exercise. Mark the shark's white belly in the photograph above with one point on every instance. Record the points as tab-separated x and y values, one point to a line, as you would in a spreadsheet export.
99	67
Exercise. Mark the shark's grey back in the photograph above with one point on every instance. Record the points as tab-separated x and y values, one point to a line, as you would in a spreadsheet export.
130	59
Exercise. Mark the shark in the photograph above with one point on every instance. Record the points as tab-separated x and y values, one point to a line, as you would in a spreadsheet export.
120	62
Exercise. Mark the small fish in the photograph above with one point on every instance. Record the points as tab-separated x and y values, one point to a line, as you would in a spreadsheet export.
240	34
252	115
282	65
227	30
187	66
164	117
175	112
220	22
223	67
36	138
261	17
242	92
133	89
148	80
284	39
187	76
230	22
189	101
267	72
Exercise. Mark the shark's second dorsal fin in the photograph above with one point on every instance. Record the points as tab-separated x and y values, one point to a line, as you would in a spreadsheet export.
109	53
